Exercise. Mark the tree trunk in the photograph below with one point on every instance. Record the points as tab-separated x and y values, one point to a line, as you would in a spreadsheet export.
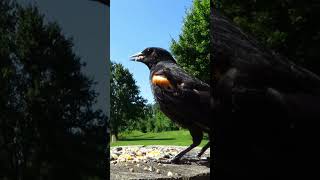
114	136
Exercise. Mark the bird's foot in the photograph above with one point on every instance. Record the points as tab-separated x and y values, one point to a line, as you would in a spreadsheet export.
173	161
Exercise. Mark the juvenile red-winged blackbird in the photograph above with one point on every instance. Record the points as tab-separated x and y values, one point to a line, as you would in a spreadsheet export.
183	98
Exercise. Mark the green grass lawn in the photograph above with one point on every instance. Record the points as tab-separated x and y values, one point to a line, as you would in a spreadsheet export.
176	138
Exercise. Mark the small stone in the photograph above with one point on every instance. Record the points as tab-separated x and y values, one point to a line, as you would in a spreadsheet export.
158	171
153	154
114	162
159	164
131	169
139	153
164	165
145	168
125	164
114	156
138	165
126	156
150	168
170	174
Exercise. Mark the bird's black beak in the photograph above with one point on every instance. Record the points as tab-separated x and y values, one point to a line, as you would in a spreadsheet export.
137	57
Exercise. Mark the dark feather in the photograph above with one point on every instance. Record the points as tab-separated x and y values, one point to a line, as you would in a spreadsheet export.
188	103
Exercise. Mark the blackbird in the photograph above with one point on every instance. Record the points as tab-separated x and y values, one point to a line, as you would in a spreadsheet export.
266	108
181	97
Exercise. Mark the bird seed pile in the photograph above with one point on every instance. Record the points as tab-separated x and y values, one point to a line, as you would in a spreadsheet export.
153	159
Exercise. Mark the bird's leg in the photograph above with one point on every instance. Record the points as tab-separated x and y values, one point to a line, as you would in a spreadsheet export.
177	158
203	149
196	140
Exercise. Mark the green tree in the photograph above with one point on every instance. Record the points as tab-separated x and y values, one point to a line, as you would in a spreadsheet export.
290	28
127	106
191	50
48	126
161	121
154	120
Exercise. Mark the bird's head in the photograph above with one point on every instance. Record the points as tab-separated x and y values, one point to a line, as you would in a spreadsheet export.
152	55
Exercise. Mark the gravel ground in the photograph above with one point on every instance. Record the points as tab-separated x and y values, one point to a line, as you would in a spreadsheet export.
148	162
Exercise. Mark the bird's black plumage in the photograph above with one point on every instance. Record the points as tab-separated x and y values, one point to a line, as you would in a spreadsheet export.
186	101
265	106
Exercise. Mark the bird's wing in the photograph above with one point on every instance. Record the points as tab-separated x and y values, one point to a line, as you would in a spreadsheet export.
172	76
187	96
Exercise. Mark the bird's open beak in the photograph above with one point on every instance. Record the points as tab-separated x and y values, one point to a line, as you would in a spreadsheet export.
137	57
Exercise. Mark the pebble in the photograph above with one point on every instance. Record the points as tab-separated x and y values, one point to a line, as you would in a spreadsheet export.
113	156
131	169
139	153
145	168
114	162
145	154
170	174
150	168
138	165
158	171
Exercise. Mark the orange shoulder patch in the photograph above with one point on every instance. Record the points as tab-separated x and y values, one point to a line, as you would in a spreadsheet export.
161	81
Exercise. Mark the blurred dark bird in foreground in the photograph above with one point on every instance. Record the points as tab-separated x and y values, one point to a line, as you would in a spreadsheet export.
183	98
265	107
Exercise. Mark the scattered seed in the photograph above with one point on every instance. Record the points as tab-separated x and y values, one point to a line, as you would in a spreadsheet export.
114	162
114	156
150	168
139	153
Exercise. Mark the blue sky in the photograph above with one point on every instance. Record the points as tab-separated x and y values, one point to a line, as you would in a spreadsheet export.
137	24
